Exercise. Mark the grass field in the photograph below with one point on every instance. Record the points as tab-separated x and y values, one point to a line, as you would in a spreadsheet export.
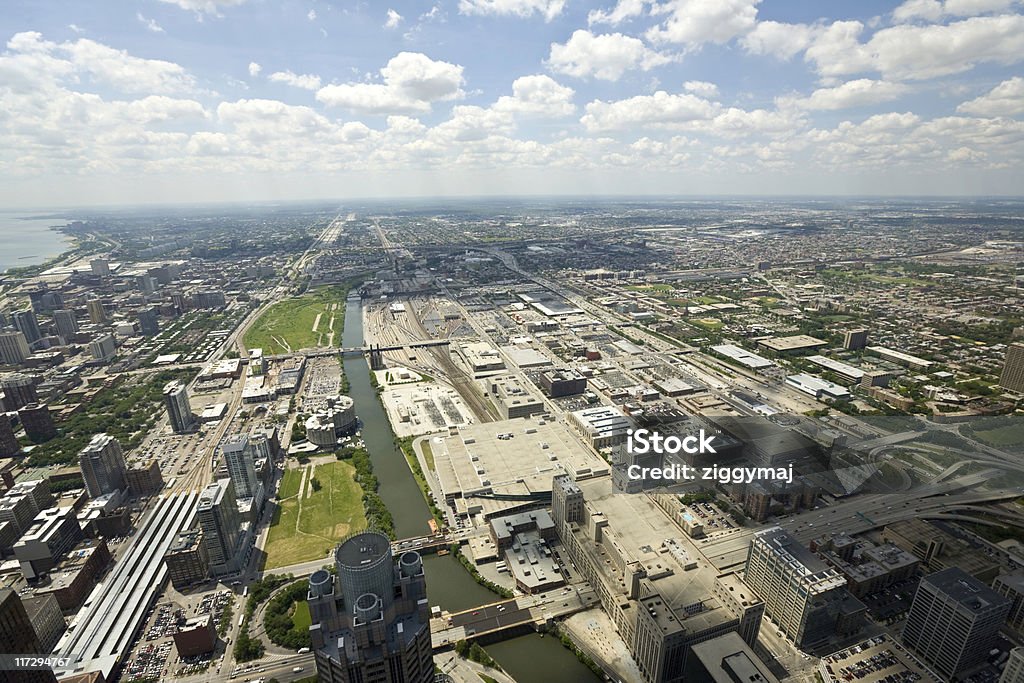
428	454
307	525
300	617
288	325
1000	437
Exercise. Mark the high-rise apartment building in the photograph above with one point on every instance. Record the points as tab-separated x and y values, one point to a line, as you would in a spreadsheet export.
179	410
13	347
240	458
953	621
371	620
28	324
97	315
8	442
149	322
802	594
38	422
222	527
66	323
855	339
103	467
1011	587
103	348
19	390
1012	377
100	267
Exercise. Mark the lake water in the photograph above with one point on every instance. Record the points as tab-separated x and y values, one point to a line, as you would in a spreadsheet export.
29	241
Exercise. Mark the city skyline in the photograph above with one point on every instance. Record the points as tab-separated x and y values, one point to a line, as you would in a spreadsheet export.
172	101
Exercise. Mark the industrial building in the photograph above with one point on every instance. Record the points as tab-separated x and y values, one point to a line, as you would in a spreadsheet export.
602	426
793	344
818	388
524	542
371	620
564	382
482	358
843	371
490	469
512	398
740	355
899	357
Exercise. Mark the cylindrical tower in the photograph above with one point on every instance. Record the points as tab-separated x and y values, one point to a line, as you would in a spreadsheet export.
320	583
368	607
410	563
365	565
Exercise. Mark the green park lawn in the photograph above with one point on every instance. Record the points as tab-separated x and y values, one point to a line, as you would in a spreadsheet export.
306	526
288	325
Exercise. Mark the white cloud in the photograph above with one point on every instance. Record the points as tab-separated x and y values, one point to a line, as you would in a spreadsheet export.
778	39
911	52
702	88
549	9
150	24
623	11
658	109
537	95
412	82
1006	99
311	15
393	20
857	93
76	28
304	81
104	64
212	7
254	69
605	56
934	10
695	22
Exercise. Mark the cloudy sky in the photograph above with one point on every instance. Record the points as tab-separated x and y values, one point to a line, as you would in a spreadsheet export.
237	100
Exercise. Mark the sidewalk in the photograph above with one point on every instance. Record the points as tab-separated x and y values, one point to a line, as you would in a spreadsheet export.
465	671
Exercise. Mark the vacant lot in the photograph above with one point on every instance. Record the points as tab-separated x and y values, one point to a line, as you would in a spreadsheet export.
319	505
313	319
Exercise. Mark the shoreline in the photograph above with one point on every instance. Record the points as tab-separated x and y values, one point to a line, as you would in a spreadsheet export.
72	245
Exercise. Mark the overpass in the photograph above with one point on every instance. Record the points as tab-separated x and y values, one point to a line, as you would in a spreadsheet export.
509	618
358	350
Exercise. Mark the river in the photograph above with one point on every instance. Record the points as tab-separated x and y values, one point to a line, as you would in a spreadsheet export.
527	658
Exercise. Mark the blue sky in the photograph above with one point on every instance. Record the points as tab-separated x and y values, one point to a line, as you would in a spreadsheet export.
205	100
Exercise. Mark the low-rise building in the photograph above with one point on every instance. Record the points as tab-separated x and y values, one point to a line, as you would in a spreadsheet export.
74	577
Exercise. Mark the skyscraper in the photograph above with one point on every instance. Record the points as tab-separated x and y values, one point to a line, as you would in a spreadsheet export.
179	410
801	593
8	442
66	324
27	323
1012	377
149	322
103	466
97	315
370	620
953	621
222	527
855	339
100	267
19	390
240	458
13	347
18	637
38	422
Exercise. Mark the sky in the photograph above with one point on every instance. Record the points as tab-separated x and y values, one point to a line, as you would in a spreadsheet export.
180	101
